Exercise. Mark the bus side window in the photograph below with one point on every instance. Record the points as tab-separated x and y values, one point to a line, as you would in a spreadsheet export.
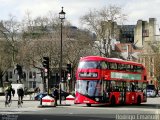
122	66
139	69
128	68
104	65
135	68
132	87
113	66
119	66
131	68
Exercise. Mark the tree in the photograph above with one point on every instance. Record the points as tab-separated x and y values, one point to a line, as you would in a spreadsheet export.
9	34
102	23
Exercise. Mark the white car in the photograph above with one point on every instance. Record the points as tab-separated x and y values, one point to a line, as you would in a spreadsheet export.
159	93
151	93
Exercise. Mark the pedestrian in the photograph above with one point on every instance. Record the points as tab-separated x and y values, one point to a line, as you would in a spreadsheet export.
8	92
20	93
55	94
13	91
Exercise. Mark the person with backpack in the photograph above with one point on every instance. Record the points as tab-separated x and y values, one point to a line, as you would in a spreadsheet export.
20	93
8	94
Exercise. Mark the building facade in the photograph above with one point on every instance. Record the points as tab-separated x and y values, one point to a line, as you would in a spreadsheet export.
147	38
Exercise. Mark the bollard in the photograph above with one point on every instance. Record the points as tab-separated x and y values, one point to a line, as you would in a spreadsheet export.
48	101
41	101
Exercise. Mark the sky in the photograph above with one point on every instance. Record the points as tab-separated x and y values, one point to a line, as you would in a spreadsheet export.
134	9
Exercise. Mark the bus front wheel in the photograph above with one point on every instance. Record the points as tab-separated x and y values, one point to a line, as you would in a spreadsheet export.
88	105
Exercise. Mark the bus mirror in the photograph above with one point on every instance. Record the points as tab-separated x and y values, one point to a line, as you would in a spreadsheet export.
145	78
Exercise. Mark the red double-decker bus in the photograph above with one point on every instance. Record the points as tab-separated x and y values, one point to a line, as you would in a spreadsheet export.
110	81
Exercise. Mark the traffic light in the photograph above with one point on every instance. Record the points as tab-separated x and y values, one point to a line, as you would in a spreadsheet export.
45	62
69	68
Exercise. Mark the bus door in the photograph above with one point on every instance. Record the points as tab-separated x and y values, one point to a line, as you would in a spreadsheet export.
123	92
144	89
106	91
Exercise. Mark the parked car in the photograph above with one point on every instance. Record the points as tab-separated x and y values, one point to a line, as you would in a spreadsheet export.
159	93
151	91
41	95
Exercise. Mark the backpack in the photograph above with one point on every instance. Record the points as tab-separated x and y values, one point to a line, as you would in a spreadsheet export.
20	92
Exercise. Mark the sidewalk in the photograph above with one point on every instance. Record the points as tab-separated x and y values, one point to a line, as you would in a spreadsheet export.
25	98
31	98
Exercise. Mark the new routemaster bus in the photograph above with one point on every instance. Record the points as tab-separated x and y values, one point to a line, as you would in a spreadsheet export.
101	80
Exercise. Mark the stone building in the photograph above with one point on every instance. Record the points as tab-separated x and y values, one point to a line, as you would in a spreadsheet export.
147	38
140	43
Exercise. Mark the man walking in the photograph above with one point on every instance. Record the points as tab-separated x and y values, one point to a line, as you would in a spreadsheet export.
8	92
55	94
20	93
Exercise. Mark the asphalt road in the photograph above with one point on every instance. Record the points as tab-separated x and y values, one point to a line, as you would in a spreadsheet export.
31	111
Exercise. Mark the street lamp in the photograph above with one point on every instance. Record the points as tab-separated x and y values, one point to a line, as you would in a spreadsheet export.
61	17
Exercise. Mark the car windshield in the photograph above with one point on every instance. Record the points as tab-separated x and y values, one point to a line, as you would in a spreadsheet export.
150	87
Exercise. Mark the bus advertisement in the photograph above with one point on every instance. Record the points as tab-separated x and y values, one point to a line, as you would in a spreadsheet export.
101	80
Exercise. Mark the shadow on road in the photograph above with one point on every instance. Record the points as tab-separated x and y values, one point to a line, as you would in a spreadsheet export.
149	106
53	117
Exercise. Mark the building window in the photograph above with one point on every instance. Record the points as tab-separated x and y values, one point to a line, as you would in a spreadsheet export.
30	75
124	47
10	75
145	33
151	71
34	74
32	84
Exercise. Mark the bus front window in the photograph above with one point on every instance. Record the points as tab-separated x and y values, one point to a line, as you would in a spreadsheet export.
88	64
89	88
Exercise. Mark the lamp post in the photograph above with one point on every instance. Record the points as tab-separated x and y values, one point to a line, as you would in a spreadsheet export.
61	17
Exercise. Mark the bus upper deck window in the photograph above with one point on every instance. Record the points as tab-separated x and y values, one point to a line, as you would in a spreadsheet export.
88	64
104	65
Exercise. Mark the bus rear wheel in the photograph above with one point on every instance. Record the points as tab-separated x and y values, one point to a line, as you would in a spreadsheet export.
113	101
88	105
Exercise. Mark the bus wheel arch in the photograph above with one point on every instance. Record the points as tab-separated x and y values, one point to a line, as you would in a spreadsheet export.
113	100
88	105
139	100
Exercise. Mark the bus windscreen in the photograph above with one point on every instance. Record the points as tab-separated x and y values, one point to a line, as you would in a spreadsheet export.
88	64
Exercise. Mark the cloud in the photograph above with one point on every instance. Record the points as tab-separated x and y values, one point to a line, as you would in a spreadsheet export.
135	9
142	9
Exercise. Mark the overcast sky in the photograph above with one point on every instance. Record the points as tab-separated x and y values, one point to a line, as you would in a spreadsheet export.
135	9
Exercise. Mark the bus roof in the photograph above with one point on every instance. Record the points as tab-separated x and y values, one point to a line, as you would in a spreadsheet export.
117	60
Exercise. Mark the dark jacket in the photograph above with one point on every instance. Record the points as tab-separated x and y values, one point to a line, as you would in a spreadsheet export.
20	92
9	91
55	93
